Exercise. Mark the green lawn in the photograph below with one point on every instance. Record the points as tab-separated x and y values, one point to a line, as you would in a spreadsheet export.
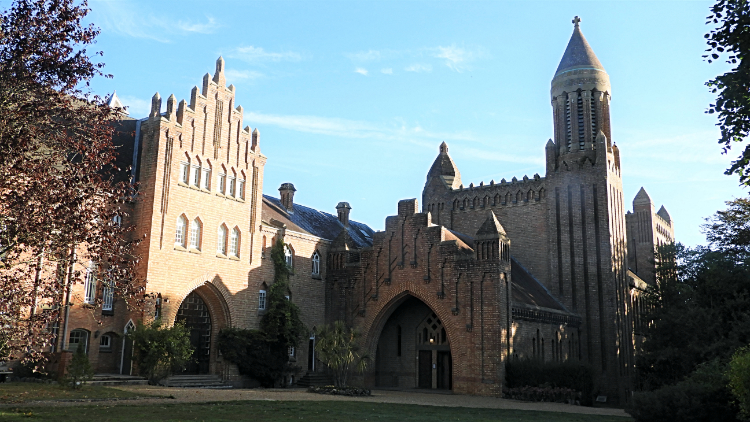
262	411
20	392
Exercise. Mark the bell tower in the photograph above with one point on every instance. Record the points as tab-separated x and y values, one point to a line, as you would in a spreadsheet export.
586	218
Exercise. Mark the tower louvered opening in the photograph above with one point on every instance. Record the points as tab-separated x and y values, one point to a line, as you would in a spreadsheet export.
593	120
568	128
581	129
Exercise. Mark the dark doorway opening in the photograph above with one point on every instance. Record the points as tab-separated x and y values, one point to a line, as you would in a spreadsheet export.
444	370
311	354
194	314
425	369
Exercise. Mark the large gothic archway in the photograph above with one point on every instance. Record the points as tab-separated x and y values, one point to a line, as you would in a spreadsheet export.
204	313
413	350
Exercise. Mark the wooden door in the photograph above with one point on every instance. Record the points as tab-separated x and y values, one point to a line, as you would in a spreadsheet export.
425	369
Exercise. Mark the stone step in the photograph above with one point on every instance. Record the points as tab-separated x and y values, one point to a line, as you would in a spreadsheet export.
194	381
314	379
117	379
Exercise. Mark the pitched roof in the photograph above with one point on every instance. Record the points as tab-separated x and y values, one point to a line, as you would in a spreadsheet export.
578	54
529	291
642	197
317	223
664	214
491	227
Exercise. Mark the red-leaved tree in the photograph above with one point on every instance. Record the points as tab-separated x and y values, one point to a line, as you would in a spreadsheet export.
60	187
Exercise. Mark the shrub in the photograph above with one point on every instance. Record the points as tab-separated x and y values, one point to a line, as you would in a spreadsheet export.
79	369
703	396
255	356
739	380
161	351
571	375
338	348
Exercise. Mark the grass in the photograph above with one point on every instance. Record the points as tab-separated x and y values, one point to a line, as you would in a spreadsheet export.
269	411
20	392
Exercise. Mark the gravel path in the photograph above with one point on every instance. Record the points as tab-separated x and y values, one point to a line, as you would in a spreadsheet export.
197	395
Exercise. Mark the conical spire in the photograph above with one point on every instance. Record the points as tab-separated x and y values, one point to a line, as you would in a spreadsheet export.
445	167
642	197
578	54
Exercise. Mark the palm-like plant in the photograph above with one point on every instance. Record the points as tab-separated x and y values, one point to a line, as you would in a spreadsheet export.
338	348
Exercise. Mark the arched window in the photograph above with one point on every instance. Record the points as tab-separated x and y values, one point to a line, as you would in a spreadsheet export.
241	186
185	171
195	234
179	233
234	243
105	343
78	336
196	172
316	263
221	243
232	183
89	284
288	254
206	178
223	181
108	296
262	298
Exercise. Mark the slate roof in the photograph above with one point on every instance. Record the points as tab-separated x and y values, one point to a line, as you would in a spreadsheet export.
529	291
317	223
578	54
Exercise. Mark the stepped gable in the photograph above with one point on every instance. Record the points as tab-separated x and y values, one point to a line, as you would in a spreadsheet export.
527	290
578	54
317	223
664	214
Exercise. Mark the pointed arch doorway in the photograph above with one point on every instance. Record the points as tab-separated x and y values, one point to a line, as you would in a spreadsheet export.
413	350
195	315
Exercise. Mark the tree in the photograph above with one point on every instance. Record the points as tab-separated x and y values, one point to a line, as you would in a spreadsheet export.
732	39
160	351
263	354
729	230
79	369
281	323
60	186
338	348
739	380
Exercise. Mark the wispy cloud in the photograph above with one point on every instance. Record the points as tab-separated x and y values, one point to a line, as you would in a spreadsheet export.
233	74
361	71
124	18
387	71
419	68
354	129
456	58
259	54
365	56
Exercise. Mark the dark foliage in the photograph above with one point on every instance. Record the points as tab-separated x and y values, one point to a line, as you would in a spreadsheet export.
700	312
263	354
79	369
571	375
731	40
58	193
340	391
702	397
255	356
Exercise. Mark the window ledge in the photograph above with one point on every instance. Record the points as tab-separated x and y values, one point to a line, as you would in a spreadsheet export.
194	250
108	312
193	187
317	277
221	195
234	258
262	311
105	351
180	248
181	183
221	255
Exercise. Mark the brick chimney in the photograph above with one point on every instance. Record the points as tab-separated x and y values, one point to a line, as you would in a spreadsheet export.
343	211
286	192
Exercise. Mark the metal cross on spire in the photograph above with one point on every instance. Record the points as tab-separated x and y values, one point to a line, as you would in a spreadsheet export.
576	21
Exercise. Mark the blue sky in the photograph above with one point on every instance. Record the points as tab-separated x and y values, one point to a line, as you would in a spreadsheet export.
352	99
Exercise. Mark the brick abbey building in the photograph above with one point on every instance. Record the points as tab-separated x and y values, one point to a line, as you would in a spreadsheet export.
548	268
